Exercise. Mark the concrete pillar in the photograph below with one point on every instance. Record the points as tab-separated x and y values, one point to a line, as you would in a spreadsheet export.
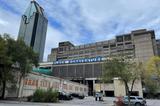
103	88
119	88
94	87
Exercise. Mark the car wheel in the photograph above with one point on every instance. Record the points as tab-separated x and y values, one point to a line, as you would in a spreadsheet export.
138	104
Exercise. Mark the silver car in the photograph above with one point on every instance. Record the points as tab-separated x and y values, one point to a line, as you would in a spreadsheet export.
135	101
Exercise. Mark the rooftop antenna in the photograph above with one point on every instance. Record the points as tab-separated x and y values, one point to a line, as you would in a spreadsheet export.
33	0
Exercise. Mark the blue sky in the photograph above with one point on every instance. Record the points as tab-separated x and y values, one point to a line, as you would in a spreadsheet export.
84	21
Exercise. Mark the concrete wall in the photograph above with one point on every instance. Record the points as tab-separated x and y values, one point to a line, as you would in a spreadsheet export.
35	80
106	87
144	47
118	87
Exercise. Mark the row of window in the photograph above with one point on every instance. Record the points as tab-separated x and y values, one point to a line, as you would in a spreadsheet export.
93	49
91	52
56	85
124	38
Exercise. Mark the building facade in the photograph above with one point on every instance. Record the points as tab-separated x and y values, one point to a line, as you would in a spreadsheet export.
158	46
84	63
33	28
35	81
139	44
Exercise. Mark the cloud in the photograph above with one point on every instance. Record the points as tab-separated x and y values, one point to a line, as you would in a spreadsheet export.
84	21
53	37
103	19
15	6
3	23
9	23
126	14
72	24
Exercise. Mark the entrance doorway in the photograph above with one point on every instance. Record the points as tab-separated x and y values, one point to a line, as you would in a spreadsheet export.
90	87
109	93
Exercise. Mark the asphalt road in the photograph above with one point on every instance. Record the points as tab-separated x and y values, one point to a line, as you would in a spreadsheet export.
88	101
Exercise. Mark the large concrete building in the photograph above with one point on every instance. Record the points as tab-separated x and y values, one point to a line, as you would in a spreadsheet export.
158	46
84	63
139	44
33	28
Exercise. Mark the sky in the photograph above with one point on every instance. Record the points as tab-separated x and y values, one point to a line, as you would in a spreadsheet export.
84	21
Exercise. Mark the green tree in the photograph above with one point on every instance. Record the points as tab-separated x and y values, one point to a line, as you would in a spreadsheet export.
15	53
126	70
25	59
151	86
153	67
5	65
152	75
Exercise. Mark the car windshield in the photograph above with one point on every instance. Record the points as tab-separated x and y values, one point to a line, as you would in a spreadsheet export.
140	98
126	97
130	97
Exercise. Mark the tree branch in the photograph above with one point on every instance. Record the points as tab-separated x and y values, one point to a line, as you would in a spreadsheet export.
133	84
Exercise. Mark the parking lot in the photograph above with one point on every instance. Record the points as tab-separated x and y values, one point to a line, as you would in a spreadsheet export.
88	101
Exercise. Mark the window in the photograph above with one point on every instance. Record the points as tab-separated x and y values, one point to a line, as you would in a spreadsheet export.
81	89
86	51
76	88
60	49
106	46
132	97
140	98
81	52
65	86
119	38
127	37
70	87
120	44
128	43
126	98
112	45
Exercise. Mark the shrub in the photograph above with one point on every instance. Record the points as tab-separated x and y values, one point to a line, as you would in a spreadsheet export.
51	96
41	95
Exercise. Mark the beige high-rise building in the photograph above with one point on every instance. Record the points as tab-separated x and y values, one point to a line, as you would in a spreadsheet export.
84	63
158	46
139	44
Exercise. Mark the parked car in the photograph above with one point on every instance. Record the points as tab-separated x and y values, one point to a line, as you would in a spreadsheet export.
64	96
76	95
134	100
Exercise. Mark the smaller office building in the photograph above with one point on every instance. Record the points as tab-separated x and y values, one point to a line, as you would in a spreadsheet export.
36	80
